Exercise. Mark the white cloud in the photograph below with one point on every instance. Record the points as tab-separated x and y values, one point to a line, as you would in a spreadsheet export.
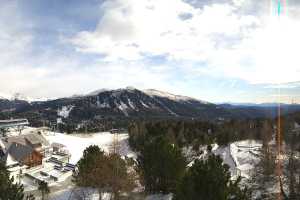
258	49
54	74
60	78
238	2
227	43
14	37
130	29
291	85
267	55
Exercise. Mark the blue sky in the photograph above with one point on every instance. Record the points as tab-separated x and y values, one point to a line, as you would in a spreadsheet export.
216	50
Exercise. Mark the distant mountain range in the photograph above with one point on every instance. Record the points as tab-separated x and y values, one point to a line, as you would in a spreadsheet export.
257	104
131	103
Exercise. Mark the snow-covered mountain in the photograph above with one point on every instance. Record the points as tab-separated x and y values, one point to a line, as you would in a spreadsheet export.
124	104
97	92
153	92
20	97
131	102
5	96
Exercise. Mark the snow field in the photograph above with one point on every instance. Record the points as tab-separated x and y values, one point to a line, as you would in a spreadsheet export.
76	143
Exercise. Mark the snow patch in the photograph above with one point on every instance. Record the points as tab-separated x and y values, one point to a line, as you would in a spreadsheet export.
131	104
152	92
241	156
245	155
103	105
65	111
123	107
130	88
159	197
145	105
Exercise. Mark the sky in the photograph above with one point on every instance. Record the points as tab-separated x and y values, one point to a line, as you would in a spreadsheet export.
214	50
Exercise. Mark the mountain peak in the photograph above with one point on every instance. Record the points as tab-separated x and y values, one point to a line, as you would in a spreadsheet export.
130	88
96	92
5	96
154	92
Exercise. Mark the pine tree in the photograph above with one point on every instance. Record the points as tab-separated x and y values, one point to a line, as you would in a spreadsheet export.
8	189
91	172
103	172
86	165
119	179
209	180
161	166
263	177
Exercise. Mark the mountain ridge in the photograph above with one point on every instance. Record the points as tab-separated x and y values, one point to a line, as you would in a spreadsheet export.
151	91
127	104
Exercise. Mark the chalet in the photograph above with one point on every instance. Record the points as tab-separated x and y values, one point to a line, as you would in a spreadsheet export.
38	143
28	149
24	155
30	155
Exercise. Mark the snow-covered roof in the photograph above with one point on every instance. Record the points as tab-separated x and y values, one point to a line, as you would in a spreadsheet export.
32	138
10	160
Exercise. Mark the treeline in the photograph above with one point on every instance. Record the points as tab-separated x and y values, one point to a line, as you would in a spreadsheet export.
68	125
195	133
